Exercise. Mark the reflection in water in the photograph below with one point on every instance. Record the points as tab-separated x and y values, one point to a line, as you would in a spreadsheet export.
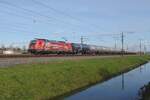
141	69
123	87
145	66
123	82
144	92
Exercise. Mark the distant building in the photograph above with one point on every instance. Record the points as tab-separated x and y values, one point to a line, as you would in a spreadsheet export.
8	52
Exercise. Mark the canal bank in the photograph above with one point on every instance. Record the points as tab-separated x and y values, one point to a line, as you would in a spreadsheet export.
127	86
52	79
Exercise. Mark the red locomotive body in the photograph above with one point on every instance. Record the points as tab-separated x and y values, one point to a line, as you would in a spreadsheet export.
46	46
58	46
37	45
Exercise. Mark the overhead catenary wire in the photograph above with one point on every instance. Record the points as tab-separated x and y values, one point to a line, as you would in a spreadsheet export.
14	28
63	13
24	17
39	14
18	15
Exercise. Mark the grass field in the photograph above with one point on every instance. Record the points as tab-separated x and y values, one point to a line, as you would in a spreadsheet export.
47	80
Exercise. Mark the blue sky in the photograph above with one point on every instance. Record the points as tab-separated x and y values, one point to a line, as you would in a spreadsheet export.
24	20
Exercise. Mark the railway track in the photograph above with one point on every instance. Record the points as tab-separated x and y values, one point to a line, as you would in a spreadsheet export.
52	55
30	56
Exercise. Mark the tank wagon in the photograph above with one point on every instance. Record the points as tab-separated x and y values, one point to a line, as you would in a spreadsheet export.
44	46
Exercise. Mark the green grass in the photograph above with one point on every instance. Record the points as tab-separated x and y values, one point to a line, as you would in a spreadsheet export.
47	80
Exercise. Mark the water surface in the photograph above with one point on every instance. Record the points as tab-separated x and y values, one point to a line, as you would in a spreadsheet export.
122	87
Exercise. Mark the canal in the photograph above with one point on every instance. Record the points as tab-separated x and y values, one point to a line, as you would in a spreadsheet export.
122	87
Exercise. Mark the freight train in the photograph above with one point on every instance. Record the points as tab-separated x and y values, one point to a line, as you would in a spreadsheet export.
44	46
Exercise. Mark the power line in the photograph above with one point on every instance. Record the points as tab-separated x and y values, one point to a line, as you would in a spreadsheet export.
16	29
27	10
24	17
37	13
82	42
24	9
145	49
122	42
14	25
53	9
61	12
140	47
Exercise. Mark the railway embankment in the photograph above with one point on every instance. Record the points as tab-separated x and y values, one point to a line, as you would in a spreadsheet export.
48	80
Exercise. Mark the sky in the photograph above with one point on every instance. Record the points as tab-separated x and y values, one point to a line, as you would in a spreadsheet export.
100	22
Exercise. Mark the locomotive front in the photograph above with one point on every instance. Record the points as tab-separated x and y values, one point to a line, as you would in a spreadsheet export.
36	46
